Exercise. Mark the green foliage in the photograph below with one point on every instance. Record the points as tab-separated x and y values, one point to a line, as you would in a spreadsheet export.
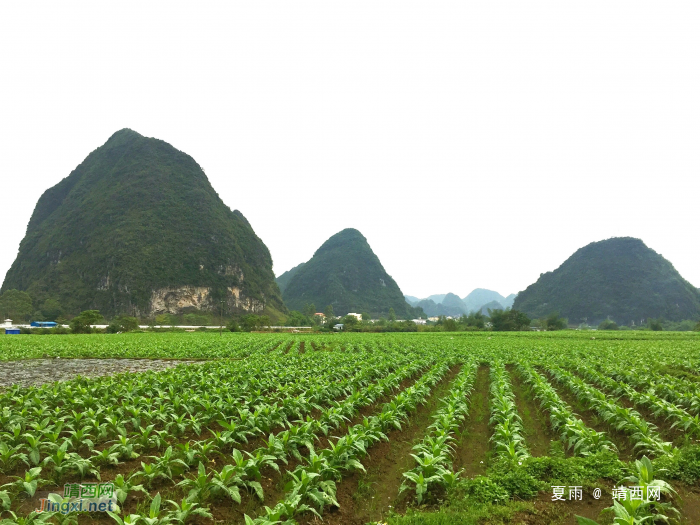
576	470
123	324
309	309
449	325
465	512
656	325
283	280
296	318
516	480
608	324
481	489
473	320
138	215
508	320
252	322
621	278
350	321
81	324
554	322
683	466
197	319
345	273
51	310
16	305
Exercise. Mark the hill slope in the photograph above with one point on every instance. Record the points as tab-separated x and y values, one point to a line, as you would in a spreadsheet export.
283	280
345	272
452	301
621	278
137	228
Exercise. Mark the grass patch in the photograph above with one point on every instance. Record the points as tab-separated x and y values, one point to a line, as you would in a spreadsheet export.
475	514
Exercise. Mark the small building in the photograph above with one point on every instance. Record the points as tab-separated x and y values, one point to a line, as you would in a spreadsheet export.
43	324
338	327
420	321
321	317
356	316
9	328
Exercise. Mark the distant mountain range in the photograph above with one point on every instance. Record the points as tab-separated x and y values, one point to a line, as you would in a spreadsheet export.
451	305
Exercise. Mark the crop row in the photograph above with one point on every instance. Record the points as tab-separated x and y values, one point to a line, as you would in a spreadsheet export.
176	411
642	433
658	406
313	484
433	455
507	437
245	472
575	433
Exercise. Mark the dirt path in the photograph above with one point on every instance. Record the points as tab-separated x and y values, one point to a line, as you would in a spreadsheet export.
366	497
538	433
472	448
28	372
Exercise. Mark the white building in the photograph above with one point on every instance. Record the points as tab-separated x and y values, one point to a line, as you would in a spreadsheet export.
420	321
7	324
356	316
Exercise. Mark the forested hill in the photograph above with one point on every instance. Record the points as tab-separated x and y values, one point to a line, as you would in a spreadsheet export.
137	228
345	273
283	280
621	278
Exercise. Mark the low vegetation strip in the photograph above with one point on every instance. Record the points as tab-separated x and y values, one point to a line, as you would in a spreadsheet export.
507	435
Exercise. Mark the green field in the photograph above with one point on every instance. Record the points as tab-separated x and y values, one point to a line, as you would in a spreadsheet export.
446	428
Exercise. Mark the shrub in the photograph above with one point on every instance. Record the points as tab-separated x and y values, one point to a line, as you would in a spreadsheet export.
82	323
608	325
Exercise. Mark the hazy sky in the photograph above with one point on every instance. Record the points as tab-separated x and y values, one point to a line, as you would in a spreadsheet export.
473	144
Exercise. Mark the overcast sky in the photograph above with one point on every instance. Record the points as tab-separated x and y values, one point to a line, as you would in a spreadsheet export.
473	144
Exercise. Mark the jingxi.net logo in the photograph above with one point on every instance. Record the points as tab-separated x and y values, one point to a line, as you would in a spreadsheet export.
81	497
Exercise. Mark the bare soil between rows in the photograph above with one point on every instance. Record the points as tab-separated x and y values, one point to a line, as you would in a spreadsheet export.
538	433
471	453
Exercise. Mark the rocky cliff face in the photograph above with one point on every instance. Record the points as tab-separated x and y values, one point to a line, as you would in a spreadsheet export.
190	298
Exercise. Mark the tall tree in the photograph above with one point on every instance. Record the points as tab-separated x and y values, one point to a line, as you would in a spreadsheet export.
16	305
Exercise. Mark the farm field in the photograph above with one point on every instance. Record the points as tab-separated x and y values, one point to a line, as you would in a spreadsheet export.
403	429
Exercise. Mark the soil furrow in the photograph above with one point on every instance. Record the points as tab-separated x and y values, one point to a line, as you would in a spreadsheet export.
472	449
538	433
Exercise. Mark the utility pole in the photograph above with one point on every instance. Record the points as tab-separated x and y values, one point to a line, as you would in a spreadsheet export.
221	320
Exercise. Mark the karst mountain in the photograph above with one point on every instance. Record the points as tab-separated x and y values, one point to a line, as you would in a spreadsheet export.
346	274
138	229
619	278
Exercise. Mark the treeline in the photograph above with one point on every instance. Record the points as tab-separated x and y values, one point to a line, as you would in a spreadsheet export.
18	306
